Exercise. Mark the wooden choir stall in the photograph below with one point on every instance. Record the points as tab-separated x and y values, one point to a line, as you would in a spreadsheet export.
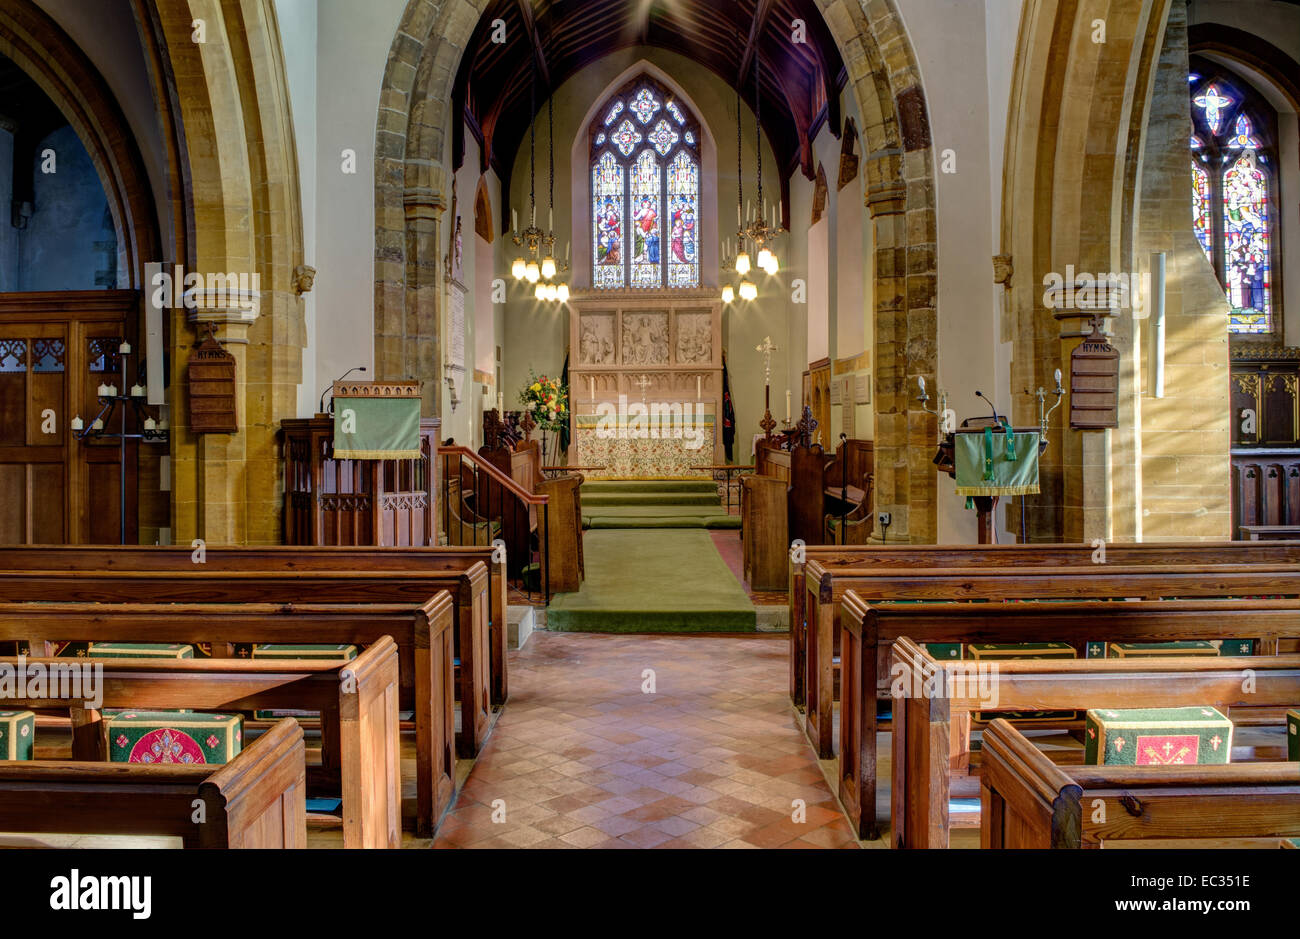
365	475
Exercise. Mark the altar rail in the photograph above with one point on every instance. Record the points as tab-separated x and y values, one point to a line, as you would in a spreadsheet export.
480	505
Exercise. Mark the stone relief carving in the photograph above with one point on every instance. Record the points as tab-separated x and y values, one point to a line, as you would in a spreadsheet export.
597	342
645	339
694	339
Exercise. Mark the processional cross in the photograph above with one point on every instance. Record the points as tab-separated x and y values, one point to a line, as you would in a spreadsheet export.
768	422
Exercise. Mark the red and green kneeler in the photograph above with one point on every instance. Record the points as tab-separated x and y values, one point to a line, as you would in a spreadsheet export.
174	737
288	650
17	735
1011	651
1156	737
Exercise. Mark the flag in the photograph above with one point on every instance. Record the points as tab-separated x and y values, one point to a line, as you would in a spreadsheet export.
728	414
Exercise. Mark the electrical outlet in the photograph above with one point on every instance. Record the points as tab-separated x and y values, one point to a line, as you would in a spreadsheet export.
885	519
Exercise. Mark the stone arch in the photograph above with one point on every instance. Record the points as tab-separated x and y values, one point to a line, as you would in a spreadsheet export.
236	207
1079	152
48	55
412	185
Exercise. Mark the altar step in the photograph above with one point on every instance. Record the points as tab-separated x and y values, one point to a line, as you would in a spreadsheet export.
649	486
654	503
594	499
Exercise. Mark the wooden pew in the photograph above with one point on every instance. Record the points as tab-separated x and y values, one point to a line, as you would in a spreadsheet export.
931	731
839	558
468	591
1027	801
1153	580
281	559
421	632
258	800
357	701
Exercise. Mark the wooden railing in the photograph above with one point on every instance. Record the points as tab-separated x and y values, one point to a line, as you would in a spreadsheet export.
480	505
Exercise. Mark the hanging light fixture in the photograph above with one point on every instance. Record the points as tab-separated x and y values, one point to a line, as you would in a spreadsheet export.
728	294
562	293
748	291
742	259
527	268
759	232
540	292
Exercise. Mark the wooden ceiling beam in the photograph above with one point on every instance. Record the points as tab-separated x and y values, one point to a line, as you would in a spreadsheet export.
539	53
761	13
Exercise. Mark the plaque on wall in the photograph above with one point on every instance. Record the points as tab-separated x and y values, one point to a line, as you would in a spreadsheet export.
1094	383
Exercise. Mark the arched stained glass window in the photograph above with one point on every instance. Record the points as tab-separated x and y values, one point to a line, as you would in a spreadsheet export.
645	190
1233	195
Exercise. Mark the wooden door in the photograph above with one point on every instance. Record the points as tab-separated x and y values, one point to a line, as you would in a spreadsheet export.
56	349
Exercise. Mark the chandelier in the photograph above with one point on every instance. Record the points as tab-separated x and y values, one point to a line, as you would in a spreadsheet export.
753	229
541	244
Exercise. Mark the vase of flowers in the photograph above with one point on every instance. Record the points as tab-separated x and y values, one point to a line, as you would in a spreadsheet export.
547	400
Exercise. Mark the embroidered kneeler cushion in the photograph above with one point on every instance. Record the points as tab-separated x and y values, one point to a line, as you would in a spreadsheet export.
1134	650
140	650
174	737
1156	736
1235	646
17	735
283	650
944	650
1004	651
1293	734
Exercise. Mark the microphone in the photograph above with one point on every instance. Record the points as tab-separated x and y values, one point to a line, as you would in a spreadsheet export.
980	394
321	408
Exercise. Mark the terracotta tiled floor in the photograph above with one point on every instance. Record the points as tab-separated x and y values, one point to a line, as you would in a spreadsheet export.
582	758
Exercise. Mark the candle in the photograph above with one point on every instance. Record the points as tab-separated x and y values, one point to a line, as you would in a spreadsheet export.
698	384
112	391
591	388
97	425
920	380
102	391
787	405
150	424
501	403
1058	378
78	424
567	246
137	391
514	220
124	348
163	424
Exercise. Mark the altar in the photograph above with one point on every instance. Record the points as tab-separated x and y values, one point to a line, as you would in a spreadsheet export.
645	382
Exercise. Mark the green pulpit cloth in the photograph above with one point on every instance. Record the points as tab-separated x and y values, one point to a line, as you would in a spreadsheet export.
376	428
1004	463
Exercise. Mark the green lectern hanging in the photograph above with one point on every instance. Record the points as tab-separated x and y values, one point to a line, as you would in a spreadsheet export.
996	461
377	420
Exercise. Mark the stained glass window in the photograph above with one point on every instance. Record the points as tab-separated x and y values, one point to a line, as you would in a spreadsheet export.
645	193
683	226
1233	195
645	104
1245	244
664	137
1212	102
1201	210
608	203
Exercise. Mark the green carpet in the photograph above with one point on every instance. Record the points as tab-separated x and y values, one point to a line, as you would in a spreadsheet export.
654	503
653	581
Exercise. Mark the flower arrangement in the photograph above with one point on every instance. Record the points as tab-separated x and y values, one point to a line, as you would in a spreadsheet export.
547	399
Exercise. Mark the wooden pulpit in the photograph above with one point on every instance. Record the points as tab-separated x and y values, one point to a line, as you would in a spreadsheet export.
368	501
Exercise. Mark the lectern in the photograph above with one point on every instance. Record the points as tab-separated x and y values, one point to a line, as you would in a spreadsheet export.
366	476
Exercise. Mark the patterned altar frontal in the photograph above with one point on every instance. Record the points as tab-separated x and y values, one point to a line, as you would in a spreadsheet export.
635	447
